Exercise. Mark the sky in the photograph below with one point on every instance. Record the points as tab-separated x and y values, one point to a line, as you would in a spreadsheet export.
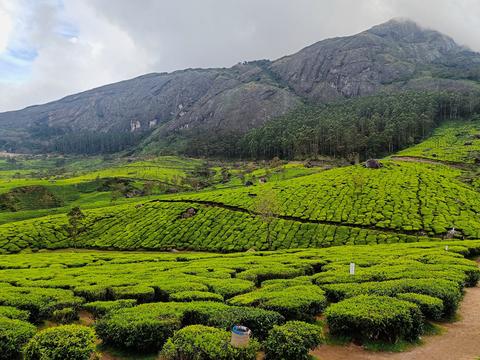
53	48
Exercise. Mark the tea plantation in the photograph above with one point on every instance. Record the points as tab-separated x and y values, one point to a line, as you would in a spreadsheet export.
140	300
456	141
411	197
274	254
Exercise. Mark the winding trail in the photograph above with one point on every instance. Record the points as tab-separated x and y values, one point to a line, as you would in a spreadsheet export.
459	341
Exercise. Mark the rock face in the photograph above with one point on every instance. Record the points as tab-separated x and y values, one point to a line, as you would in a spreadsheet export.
362	64
391	56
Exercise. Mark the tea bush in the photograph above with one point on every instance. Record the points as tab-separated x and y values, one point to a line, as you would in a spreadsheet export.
292	341
101	308
14	334
73	342
431	307
374	318
14	313
198	342
48	286
195	296
293	302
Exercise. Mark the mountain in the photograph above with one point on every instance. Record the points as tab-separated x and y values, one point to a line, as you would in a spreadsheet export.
162	109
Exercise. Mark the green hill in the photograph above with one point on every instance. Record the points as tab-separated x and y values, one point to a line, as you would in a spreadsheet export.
403	201
454	141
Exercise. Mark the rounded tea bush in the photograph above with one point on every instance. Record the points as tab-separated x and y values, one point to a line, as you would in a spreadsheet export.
14	334
431	307
375	318
72	342
292	341
199	342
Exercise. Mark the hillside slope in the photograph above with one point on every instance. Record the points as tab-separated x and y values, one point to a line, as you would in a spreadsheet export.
394	56
404	201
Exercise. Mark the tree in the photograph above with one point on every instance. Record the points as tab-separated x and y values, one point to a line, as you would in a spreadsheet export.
225	175
267	207
75	219
148	187
119	189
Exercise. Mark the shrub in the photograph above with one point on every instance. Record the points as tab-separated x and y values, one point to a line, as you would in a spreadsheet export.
292	341
73	342
198	342
184	296
431	307
40	302
141	293
92	292
295	302
259	321
148	326
375	318
14	313
143	328
101	308
65	315
277	271
14	334
448	291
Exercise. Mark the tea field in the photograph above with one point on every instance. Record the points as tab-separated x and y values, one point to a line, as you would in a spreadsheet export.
139	300
456	141
410	197
159	226
401	202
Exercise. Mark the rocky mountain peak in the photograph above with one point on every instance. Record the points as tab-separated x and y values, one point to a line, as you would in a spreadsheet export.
406	30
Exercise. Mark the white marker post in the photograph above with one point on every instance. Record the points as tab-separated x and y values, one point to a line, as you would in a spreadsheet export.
352	268
446	248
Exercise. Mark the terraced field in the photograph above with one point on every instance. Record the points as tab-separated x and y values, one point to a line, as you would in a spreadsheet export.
402	202
140	299
409	197
456	141
160	226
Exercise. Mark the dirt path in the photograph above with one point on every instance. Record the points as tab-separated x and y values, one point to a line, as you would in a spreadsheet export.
460	341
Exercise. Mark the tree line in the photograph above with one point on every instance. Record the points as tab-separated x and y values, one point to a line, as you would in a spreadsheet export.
362	127
89	143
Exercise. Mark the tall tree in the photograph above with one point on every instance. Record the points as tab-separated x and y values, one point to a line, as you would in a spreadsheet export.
75	221
267	207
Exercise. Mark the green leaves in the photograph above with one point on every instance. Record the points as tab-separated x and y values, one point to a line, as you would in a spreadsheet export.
73	342
198	342
14	334
292	341
374	318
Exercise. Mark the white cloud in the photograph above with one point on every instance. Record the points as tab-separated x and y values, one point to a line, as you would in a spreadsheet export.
6	23
103	41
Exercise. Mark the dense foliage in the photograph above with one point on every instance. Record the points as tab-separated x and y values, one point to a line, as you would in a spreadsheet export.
368	126
292	341
454	141
14	334
87	142
259	289
412	198
198	342
373	318
73	342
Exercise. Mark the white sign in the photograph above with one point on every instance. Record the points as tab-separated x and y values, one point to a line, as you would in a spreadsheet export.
352	268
